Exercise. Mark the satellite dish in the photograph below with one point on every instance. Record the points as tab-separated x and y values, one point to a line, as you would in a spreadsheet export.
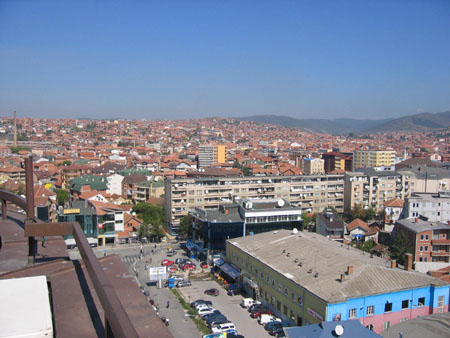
281	203
294	231
339	330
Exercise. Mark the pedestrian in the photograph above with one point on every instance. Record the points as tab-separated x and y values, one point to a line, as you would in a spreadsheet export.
155	246
168	304
104	253
43	241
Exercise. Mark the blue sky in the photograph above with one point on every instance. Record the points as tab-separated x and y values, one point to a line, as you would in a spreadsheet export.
188	59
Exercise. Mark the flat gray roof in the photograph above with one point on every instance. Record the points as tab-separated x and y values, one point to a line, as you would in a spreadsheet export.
421	225
329	259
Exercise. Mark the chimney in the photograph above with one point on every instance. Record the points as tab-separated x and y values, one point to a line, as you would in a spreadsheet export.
416	220
393	264
15	130
226	211
342	277
349	270
408	262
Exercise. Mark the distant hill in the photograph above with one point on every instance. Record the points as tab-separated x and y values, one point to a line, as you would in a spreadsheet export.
335	127
417	122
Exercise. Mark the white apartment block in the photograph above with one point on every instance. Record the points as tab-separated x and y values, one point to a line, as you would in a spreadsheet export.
372	188
435	207
312	193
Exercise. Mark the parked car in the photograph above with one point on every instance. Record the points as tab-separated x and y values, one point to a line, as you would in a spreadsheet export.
255	308
205	311
171	253
223	327
212	292
180	261
274	325
267	318
278	331
215	313
248	302
184	283
232	335
200	301
188	267
172	268
202	306
204	265
260	312
216	321
166	262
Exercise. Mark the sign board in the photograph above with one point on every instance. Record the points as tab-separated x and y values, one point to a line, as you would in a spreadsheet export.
71	211
158	273
216	335
315	314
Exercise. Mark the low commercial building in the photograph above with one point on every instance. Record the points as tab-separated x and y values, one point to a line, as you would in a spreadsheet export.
243	218
307	279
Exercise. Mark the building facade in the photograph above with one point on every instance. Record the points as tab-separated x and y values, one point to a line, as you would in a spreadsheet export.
307	279
435	207
373	158
312	166
312	193
211	154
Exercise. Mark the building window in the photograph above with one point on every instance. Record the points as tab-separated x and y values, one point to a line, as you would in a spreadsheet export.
286	291
387	325
426	237
388	307
352	313
370	310
405	304
421	248
279	287
262	276
293	295
267	279
278	305
426	247
421	301
285	310
421	236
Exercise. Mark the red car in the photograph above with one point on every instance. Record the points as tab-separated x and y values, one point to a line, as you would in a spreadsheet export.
188	267
172	268
204	265
166	262
260	312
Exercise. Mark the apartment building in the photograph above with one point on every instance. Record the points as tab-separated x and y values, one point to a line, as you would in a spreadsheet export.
428	241
373	158
311	166
435	207
211	154
337	161
312	193
372	188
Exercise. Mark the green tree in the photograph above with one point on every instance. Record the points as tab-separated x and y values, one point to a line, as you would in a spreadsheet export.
185	227
247	171
144	231
399	248
357	212
307	220
157	232
150	213
368	245
62	196
370	214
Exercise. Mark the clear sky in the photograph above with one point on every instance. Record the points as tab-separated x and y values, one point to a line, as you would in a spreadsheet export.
183	59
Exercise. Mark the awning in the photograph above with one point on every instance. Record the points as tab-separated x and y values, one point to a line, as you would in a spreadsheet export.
229	270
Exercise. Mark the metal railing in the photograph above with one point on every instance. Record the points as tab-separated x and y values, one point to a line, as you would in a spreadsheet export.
117	322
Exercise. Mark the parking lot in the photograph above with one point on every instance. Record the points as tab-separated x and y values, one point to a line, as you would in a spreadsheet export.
228	305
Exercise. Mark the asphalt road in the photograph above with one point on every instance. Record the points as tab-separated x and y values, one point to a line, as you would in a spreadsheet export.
229	306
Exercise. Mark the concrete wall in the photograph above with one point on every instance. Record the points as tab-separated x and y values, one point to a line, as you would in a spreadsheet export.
424	267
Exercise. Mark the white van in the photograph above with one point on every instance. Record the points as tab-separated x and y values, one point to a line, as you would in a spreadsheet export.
223	327
265	318
247	302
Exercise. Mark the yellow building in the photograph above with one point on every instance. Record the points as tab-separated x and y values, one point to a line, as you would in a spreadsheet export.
211	154
373	158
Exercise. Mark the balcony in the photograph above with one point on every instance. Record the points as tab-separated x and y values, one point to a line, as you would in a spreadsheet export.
440	253
440	242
